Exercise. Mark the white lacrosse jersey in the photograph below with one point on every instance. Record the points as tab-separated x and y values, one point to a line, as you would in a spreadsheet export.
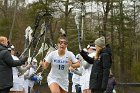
17	80
85	78
59	68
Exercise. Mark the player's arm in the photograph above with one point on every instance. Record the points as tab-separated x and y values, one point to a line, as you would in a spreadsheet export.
76	64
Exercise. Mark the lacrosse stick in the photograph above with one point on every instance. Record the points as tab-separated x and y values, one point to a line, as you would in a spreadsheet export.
43	31
28	38
36	24
43	48
40	73
77	21
44	45
62	32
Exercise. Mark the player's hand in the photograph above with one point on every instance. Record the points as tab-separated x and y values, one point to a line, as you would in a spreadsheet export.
69	62
71	68
41	63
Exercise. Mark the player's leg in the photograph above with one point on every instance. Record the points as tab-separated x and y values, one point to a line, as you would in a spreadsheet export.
54	87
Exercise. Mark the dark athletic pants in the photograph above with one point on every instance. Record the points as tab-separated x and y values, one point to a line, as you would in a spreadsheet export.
97	91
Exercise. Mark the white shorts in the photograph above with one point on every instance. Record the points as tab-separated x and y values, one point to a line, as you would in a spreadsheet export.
84	82
63	83
84	85
17	87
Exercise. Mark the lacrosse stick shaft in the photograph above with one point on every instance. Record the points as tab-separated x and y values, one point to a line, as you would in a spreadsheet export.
79	38
37	69
77	21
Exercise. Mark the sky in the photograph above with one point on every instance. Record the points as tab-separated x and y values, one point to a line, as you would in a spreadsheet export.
30	1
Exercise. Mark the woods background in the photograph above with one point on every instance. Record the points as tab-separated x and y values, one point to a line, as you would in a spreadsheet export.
117	20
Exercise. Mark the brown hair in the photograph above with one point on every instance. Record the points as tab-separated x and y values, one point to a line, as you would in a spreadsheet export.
62	37
98	50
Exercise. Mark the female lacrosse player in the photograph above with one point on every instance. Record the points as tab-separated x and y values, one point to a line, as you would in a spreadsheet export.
60	61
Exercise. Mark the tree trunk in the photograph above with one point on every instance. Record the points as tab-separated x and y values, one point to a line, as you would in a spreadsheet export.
112	35
121	43
105	17
5	8
66	15
13	22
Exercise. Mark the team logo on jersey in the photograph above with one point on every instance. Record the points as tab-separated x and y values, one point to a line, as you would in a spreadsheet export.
59	61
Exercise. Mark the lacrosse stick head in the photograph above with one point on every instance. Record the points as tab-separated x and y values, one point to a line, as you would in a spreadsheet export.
63	32
28	33
43	28
44	47
77	17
